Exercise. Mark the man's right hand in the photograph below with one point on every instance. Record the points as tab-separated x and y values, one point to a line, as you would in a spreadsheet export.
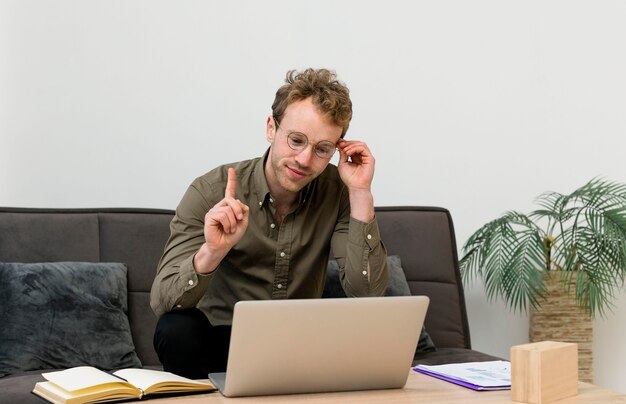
224	225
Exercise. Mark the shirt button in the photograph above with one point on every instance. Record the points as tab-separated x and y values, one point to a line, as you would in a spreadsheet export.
273	226
282	254
369	236
271	200
364	272
190	282
279	286
260	203
178	306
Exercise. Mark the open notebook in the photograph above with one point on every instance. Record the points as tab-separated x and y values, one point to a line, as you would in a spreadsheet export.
321	345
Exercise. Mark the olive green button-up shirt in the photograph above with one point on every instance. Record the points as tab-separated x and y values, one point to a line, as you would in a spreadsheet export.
270	261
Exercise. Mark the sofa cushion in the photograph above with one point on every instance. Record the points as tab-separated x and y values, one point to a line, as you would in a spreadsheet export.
64	314
17	388
397	286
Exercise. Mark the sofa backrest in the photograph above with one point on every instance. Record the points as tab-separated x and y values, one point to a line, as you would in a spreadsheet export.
135	237
422	237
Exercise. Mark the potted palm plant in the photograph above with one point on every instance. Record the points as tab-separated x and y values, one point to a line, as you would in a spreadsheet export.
573	246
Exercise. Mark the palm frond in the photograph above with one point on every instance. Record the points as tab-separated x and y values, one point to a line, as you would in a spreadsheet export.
522	275
508	253
594	286
599	193
550	201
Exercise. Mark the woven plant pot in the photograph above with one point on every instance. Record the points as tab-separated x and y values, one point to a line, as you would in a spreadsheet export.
560	319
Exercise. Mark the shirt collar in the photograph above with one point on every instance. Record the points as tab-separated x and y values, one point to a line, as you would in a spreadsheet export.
263	190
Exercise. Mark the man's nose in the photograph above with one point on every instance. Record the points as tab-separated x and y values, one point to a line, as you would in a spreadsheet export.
305	156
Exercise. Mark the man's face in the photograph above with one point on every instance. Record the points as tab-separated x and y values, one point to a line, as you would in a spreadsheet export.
291	170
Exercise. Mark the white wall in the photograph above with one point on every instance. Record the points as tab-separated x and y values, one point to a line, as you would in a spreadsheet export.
475	106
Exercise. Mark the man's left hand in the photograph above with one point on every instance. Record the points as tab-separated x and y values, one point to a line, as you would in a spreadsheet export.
356	164
356	168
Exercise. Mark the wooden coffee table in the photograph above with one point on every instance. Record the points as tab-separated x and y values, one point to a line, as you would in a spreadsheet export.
419	389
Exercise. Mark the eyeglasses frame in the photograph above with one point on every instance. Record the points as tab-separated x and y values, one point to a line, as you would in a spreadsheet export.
307	143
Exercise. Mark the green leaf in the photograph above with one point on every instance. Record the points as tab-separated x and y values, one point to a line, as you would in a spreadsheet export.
509	254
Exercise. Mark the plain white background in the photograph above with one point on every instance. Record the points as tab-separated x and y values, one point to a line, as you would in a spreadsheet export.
476	106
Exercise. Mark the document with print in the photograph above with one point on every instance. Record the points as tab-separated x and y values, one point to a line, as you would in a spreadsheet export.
491	375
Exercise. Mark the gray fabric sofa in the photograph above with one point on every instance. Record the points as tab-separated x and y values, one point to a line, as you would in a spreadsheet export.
423	237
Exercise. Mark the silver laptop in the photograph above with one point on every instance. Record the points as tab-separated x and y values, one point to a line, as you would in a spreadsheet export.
321	345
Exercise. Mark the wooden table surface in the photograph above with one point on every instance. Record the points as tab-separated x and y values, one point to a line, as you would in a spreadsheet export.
419	389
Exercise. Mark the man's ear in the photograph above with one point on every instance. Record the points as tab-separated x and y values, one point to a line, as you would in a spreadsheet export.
270	129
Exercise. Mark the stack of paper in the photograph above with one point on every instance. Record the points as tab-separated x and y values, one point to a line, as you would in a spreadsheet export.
493	375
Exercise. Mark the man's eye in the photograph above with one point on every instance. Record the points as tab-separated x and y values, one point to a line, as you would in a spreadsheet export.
324	149
297	140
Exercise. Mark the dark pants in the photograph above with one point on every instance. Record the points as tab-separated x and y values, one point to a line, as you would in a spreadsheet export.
188	345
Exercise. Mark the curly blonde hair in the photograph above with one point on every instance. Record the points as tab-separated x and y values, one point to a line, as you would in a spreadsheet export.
329	95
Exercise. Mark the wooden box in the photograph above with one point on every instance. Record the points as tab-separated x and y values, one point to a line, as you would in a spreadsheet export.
543	372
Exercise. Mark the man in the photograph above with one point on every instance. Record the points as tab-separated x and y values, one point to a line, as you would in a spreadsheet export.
264	228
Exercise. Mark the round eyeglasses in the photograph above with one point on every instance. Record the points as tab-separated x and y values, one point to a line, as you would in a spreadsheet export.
299	141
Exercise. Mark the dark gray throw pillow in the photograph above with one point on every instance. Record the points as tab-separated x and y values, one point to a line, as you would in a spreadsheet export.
64	314
396	286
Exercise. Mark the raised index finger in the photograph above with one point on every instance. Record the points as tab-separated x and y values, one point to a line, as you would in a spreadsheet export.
230	185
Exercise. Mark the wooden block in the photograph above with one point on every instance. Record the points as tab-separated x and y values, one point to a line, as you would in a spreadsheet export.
543	372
